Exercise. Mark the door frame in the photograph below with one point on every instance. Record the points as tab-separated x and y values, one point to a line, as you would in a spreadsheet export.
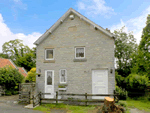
106	80
52	95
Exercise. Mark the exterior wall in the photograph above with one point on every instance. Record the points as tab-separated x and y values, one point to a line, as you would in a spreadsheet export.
99	52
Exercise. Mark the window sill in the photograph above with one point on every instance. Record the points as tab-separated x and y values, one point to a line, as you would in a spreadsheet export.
80	60
62	88
49	61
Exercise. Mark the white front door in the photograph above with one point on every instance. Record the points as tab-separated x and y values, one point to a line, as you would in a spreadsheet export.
49	83
99	83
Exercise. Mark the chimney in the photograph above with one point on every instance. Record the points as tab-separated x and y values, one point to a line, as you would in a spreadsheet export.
108	30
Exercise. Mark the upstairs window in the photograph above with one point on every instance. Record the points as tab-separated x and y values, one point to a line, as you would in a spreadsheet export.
79	52
49	54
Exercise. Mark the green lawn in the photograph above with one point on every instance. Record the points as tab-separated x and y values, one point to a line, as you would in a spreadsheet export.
140	104
69	108
130	103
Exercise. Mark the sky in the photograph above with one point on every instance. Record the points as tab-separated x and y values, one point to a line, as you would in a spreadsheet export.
29	19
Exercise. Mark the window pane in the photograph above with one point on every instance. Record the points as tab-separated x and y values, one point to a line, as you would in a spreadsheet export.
49	78
63	76
79	52
49	53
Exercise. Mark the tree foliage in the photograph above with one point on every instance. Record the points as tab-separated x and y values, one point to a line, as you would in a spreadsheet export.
125	46
27	61
142	63
14	48
21	54
2	55
10	77
31	77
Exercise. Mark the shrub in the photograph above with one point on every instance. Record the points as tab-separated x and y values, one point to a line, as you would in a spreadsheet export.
10	77
31	77
124	104
123	94
136	84
120	81
8	93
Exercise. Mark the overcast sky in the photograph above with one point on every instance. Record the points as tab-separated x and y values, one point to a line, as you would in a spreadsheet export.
28	19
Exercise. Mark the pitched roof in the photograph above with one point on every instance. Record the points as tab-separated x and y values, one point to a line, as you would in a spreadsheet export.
6	62
22	71
54	26
9	62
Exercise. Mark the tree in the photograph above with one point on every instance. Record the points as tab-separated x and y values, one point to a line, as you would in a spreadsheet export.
4	55
15	48
31	77
142	64
125	46
27	61
21	54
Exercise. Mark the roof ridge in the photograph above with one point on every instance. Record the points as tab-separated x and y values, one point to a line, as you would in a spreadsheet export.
63	17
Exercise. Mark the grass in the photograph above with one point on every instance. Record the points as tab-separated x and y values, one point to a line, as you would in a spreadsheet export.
139	104
69	108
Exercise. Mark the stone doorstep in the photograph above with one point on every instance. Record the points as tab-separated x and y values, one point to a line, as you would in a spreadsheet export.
30	106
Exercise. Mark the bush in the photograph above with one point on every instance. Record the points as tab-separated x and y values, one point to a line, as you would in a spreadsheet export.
10	77
124	104
123	94
31	77
136	82
120	81
8	93
136	85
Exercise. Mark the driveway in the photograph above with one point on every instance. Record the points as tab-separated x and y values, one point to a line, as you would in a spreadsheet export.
15	108
8	104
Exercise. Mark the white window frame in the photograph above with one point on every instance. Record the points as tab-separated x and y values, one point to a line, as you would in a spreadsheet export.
60	75
46	54
79	57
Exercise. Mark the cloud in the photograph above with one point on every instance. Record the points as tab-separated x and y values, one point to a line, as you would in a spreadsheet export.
134	24
95	8
18	5
16	0
6	35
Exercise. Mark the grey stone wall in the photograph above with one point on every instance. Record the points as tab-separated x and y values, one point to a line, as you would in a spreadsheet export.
99	53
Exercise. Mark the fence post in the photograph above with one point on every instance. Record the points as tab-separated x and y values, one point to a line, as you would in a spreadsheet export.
114	95
33	99
29	97
40	98
56	97
86	99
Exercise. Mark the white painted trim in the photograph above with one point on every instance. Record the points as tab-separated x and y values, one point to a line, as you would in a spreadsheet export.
60	76
46	52
13	63
62	88
106	78
55	25
52	80
79	57
24	70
